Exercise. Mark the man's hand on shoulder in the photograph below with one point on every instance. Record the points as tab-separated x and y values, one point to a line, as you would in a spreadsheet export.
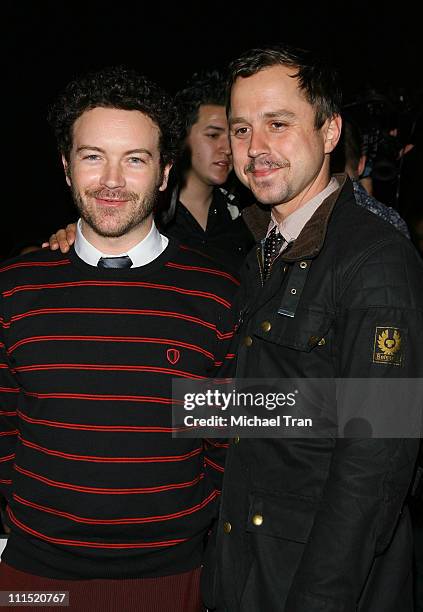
62	239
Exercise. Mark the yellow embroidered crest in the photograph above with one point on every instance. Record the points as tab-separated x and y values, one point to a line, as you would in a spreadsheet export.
388	346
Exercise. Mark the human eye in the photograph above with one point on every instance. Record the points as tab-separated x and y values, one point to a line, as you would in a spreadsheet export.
136	161
213	135
240	132
92	157
278	125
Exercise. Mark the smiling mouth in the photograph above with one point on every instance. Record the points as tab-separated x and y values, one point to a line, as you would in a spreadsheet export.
265	167
222	164
107	202
264	172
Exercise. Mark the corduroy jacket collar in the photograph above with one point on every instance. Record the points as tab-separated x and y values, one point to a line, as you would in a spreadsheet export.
311	239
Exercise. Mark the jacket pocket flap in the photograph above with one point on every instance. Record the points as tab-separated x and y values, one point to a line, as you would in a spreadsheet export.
303	332
290	518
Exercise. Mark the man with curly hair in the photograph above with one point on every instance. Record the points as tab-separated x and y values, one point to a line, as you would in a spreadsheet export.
102	501
199	207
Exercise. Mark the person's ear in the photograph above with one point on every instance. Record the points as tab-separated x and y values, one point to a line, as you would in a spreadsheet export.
165	177
361	165
66	168
333	132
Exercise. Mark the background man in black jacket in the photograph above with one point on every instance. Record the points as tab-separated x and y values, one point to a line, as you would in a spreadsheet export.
316	523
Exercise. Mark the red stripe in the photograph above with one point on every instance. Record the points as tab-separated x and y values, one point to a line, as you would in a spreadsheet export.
107	368
89	283
122	311
217	444
31	264
170	264
226	336
213	464
104	398
6	413
9	390
5	481
128	339
104	491
82	543
95	459
7	458
120	521
78	426
14	432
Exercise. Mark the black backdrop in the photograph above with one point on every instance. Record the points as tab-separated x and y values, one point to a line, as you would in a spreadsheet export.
47	43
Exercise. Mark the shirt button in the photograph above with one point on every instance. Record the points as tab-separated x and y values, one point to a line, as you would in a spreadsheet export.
227	527
248	340
236	440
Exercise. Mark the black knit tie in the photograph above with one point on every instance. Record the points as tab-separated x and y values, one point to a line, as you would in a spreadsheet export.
115	262
272	246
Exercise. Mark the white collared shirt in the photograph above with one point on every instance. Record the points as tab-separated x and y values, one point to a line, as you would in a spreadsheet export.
291	226
141	254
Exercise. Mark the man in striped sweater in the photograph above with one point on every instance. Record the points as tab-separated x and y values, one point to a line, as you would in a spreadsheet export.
102	500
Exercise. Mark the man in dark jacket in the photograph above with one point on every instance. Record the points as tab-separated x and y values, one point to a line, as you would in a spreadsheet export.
315	524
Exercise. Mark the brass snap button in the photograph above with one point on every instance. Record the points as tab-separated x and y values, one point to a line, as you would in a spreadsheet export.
266	326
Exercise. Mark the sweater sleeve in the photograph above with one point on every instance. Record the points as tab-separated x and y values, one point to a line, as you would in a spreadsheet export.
215	449
9	392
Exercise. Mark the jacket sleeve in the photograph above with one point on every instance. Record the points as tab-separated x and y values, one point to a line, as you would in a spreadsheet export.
369	477
9	392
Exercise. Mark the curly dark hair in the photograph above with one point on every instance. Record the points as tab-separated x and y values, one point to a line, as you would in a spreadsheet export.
317	79
206	87
121	88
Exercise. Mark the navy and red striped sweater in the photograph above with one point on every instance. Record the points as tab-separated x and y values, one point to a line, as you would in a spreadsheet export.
96	485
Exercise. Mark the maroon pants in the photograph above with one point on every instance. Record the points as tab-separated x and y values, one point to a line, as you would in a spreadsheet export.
177	593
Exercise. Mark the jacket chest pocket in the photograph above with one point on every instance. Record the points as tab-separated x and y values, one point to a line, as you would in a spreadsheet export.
284	517
307	330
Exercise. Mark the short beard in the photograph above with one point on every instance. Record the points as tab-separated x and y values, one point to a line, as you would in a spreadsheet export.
139	211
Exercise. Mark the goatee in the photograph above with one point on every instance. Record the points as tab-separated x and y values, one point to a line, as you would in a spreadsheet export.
114	221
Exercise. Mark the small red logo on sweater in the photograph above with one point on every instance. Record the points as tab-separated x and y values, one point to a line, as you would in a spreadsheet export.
173	355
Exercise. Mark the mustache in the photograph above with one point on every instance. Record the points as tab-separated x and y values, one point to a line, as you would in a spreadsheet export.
266	164
108	194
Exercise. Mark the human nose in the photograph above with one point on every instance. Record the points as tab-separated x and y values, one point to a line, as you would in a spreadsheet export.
112	176
225	146
257	145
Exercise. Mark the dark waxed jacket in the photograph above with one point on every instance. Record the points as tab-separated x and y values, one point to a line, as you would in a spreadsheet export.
333	534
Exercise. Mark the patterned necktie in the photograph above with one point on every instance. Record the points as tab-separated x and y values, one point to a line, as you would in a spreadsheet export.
115	262
272	246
